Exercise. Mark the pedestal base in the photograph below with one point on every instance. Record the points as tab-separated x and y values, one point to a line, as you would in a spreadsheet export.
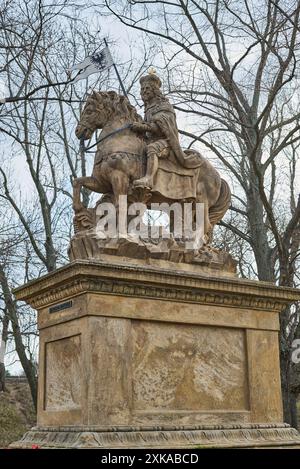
157	355
235	436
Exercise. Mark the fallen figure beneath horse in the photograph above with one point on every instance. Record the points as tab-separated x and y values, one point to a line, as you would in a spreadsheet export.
142	160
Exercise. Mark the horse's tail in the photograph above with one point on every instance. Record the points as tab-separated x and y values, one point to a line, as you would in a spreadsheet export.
217	211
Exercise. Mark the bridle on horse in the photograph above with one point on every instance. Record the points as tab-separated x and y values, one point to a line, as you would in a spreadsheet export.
85	149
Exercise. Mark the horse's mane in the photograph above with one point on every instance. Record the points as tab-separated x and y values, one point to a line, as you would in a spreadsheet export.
119	104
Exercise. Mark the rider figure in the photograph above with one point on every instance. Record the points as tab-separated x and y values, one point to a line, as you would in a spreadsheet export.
160	131
159	123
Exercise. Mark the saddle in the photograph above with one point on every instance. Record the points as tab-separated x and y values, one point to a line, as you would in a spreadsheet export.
173	181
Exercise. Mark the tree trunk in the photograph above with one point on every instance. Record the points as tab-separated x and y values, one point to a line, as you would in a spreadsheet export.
288	396
26	363
294	413
3	342
2	377
259	236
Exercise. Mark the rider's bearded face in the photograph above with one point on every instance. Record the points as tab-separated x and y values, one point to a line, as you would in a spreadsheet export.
147	93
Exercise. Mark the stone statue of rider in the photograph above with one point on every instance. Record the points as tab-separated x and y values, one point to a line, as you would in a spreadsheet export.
160	130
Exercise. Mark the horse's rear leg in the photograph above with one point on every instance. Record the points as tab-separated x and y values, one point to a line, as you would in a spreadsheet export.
207	224
90	183
203	224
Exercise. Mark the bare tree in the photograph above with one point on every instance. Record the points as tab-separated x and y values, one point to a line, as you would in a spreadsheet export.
12	315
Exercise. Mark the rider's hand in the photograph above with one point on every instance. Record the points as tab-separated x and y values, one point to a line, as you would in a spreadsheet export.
140	127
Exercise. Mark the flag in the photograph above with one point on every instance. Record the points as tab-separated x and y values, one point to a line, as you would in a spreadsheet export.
97	62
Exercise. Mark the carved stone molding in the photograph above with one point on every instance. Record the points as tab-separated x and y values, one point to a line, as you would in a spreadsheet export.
161	437
153	282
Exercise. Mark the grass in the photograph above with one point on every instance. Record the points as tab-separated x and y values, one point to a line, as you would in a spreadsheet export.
16	413
12	427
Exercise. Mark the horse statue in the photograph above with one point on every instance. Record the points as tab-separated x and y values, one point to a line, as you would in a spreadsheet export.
120	161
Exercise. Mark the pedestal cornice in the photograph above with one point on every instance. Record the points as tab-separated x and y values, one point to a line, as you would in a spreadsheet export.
153	281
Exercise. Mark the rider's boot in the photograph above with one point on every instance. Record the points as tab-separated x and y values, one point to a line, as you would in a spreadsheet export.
152	166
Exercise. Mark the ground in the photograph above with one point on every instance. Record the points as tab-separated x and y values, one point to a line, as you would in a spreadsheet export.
16	411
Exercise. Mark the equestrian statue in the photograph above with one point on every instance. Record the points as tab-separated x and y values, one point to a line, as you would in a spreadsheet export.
143	159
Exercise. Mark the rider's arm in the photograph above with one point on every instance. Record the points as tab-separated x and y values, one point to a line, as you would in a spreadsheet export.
143	127
153	128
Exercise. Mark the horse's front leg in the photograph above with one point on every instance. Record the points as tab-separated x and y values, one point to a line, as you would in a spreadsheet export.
90	183
77	205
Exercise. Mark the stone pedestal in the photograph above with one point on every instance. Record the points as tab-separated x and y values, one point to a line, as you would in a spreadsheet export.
157	355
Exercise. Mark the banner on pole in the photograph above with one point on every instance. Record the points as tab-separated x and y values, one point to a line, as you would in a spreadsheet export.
95	63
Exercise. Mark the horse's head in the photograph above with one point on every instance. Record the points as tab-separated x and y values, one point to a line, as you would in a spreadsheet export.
93	116
99	108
